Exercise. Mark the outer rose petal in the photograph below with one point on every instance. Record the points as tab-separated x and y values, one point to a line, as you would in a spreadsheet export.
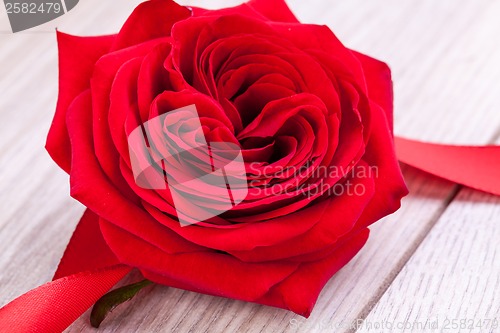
77	57
379	82
208	272
380	151
341	215
242	9
275	10
103	78
246	236
151	19
285	285
300	290
92	188
321	38
390	185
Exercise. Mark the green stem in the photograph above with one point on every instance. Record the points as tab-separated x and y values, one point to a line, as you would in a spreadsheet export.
114	298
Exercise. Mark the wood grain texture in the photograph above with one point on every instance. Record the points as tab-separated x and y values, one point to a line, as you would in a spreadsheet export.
445	64
452	281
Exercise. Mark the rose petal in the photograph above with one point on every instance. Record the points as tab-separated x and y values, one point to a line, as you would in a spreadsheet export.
276	113
380	151
244	237
300	290
151	19
103	77
379	83
208	272
315	37
92	188
389	183
341	215
153	78
123	102
275	10
77	57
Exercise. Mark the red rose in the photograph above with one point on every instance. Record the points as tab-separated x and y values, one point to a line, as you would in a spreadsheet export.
289	94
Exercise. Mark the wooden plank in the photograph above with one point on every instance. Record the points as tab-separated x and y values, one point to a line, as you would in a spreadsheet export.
452	281
423	41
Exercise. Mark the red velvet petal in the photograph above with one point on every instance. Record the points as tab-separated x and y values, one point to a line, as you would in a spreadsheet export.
151	19
380	151
208	272
207	30
101	85
315	37
300	290
244	9
389	183
92	188
341	215
276	113
275	10
245	237
379	83
153	78
123	102
205	106
77	57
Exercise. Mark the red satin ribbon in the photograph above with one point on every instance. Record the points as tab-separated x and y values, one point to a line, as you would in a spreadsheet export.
477	167
52	307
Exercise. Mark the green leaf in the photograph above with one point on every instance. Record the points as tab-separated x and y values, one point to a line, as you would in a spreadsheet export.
114	298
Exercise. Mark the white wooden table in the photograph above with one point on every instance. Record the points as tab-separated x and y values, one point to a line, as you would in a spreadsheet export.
436	261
